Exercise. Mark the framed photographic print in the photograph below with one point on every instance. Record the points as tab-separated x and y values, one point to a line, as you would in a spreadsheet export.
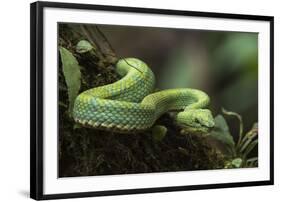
134	100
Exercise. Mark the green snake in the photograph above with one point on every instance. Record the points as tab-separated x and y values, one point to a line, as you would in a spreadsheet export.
129	104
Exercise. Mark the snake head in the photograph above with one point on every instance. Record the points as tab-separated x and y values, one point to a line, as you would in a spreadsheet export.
196	120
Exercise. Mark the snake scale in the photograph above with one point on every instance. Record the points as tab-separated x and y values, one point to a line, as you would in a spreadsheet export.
128	105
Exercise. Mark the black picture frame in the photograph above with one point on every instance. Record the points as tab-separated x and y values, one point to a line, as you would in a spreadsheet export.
37	99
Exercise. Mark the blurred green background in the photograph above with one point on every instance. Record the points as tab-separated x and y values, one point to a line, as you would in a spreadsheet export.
223	64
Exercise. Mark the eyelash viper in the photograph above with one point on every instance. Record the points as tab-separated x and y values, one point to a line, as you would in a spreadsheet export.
129	105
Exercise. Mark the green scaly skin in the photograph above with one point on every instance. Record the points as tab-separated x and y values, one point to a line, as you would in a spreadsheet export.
129	105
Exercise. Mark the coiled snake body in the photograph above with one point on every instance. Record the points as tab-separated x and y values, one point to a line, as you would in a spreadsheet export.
129	104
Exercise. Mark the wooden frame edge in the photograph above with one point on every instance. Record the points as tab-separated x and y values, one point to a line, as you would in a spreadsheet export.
36	99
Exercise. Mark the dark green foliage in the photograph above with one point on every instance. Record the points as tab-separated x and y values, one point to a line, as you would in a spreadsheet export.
237	154
221	134
72	75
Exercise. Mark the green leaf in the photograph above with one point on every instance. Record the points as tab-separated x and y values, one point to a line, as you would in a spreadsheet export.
158	132
250	147
84	46
221	124
241	127
248	138
252	162
221	134
237	162
72	75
